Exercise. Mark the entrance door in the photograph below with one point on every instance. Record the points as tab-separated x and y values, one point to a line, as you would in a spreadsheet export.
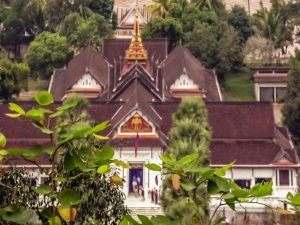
135	176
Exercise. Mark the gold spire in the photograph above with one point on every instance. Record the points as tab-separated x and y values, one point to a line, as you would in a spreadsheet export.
136	51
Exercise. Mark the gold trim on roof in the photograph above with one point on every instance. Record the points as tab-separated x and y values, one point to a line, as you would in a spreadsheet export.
136	51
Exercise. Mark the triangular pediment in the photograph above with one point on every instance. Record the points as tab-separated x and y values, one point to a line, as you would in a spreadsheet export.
136	123
87	81
184	82
128	20
282	158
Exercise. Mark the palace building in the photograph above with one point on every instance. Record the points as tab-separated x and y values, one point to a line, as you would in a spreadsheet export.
137	85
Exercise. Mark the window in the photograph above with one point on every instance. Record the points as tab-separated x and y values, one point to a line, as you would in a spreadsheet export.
243	183
266	94
284	179
262	180
272	94
280	92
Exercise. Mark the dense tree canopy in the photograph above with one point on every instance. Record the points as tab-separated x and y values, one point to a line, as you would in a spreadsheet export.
239	19
216	46
274	24
47	52
13	78
80	32
291	109
164	28
216	6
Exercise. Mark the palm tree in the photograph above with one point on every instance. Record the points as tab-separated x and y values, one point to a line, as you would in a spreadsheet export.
217	6
160	7
271	25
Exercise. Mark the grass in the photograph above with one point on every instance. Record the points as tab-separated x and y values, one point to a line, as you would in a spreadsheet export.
38	85
239	86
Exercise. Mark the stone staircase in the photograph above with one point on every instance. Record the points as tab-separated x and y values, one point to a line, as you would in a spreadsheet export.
148	211
138	206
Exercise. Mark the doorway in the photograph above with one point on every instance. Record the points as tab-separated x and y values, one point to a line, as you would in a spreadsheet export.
135	176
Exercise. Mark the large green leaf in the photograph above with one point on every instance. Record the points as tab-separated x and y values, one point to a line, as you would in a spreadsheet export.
128	220
261	189
67	106
36	114
54	221
212	187
105	153
231	203
80	129
69	163
222	183
43	128
33	153
3	140
68	198
206	175
145	220
43	98
154	167
187	186
122	164
100	127
17	214
221	172
241	193
16	108
188	159
43	189
103	169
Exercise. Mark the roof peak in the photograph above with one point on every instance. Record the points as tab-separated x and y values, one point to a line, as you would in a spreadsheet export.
136	51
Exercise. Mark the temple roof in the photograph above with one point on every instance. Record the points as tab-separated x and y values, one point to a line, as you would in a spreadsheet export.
88	60
180	60
241	132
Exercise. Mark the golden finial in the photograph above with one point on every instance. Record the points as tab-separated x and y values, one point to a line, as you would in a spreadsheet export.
136	51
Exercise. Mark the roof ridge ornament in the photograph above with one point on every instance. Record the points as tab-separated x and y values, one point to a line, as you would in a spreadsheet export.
136	51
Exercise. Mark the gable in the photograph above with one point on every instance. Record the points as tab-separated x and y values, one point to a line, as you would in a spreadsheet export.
86	82
184	82
136	123
129	19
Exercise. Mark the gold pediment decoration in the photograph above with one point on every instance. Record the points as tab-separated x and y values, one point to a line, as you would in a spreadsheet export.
136	124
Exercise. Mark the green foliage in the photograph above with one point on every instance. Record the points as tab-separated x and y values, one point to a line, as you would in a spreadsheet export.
55	11
164	28
274	24
240	20
102	202
217	46
47	52
291	108
160	8
13	29
114	20
17	214
214	182
13	78
102	7
80	33
76	156
189	141
17	196
216	6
